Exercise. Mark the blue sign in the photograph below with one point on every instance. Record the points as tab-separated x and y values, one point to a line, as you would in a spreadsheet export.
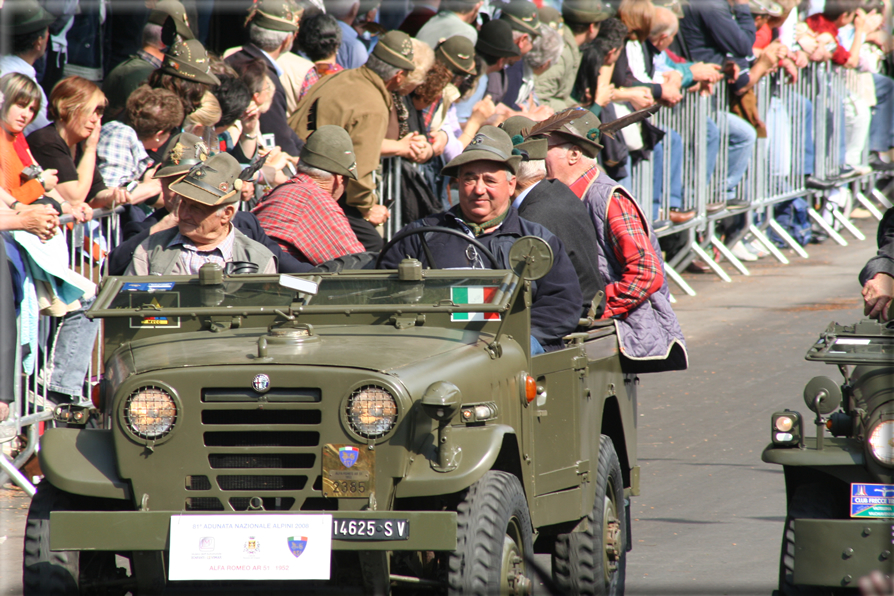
872	500
297	546
348	456
148	287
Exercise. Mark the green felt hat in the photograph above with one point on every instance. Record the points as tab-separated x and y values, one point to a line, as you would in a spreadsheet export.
396	49
188	60
495	39
21	17
583	12
490	144
457	53
522	16
214	182
275	15
175	10
329	148
583	131
185	151
532	148
551	17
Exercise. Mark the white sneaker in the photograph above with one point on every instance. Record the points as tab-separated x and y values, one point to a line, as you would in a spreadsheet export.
757	249
742	253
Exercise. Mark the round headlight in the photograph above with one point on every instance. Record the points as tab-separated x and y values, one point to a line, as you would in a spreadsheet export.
881	442
150	412
372	411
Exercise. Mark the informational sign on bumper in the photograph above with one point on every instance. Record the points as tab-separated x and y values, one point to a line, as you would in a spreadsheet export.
872	500
250	547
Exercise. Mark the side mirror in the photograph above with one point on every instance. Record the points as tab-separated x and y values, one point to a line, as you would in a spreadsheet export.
822	395
533	251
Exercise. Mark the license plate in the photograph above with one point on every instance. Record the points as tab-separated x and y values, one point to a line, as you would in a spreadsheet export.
349	471
872	500
370	529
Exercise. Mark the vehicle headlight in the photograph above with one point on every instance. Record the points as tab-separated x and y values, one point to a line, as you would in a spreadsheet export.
371	411
881	442
150	412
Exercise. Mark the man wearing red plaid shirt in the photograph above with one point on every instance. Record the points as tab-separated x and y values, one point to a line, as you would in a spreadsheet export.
629	258
302	215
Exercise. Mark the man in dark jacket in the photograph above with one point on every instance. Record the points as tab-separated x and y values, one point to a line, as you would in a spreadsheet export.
877	276
272	29
186	150
486	173
552	204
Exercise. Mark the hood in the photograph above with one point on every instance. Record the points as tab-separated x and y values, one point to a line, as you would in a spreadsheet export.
373	347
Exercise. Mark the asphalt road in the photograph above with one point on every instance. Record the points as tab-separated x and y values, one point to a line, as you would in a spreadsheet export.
709	520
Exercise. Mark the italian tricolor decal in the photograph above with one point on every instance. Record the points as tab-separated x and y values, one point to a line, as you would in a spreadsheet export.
473	295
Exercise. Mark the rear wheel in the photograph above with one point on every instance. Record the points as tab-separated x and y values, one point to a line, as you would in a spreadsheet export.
494	539
594	562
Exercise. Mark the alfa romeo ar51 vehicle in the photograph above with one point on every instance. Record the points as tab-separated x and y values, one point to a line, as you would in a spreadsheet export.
362	431
840	482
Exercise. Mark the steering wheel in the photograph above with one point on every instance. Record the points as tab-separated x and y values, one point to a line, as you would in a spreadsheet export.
422	230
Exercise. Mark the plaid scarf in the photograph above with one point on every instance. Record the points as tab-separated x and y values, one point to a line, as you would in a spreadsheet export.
580	186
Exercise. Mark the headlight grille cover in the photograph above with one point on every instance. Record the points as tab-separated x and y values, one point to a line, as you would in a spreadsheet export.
150	412
371	411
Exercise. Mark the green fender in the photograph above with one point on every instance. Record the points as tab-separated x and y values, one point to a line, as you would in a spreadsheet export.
480	448
82	462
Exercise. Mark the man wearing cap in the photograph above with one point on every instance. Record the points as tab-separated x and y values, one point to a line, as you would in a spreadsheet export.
637	296
524	19
185	151
133	72
272	27
496	48
302	215
486	176
551	204
455	17
204	233
24	26
359	101
582	18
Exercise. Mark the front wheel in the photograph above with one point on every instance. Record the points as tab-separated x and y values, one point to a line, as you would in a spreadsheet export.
594	562
494	538
45	571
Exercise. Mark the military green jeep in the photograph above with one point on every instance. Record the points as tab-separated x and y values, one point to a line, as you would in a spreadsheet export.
840	488
363	431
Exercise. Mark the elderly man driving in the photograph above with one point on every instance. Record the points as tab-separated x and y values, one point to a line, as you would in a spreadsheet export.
204	232
486	171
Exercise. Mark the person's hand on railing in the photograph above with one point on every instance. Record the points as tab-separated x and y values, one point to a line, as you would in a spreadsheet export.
799	58
49	179
705	73
422	149
671	92
438	141
809	44
81	212
40	222
111	197
604	94
877	294
639	97
377	215
484	108
791	69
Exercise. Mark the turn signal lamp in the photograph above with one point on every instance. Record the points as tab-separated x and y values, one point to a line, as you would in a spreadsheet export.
530	388
787	429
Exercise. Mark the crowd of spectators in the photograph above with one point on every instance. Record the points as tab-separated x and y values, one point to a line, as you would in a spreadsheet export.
318	81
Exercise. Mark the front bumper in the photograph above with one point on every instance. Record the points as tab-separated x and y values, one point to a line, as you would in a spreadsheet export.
837	552
150	530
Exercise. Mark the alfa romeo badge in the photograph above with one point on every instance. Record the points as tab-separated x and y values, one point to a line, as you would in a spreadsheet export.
261	383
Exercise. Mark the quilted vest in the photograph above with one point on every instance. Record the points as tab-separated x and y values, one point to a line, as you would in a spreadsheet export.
649	331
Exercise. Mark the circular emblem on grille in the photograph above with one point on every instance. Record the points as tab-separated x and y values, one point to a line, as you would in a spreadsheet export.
261	383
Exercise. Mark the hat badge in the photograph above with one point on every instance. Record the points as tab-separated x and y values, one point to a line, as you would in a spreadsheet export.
477	140
463	56
406	47
177	153
222	187
593	134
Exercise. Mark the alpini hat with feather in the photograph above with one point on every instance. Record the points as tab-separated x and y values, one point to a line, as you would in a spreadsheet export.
275	15
175	10
187	59
530	148
214	182
185	151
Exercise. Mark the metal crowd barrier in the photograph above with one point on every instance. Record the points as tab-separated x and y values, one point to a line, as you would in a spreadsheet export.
88	244
776	172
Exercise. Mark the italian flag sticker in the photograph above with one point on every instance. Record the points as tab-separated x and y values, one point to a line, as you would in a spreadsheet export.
473	295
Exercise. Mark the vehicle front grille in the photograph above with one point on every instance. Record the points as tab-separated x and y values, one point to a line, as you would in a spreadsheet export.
262	451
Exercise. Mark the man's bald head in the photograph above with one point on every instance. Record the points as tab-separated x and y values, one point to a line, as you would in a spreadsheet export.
664	23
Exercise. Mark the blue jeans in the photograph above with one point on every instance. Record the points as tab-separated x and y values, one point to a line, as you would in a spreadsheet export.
72	351
713	144
881	134
676	178
742	138
536	348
